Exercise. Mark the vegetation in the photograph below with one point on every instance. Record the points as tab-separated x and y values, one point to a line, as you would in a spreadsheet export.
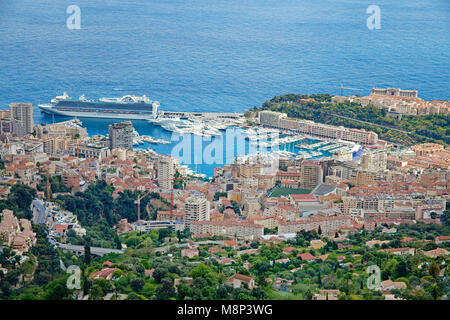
43	264
143	273
98	211
217	195
178	183
19	200
204	278
55	182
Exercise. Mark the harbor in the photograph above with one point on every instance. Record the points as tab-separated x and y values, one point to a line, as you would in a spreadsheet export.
139	140
189	127
206	124
159	131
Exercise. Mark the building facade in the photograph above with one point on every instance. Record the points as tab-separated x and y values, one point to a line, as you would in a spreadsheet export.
395	92
279	120
165	172
196	209
121	135
311	174
23	112
374	161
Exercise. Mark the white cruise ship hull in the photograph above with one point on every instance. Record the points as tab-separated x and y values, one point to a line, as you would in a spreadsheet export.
105	115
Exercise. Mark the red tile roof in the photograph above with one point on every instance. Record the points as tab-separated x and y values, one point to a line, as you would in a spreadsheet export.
306	256
303	197
242	277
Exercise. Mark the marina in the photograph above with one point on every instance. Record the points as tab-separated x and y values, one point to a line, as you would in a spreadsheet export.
304	155
264	157
312	146
155	131
139	140
188	127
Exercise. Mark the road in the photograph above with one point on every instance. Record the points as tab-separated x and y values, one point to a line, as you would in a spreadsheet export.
102	251
366	122
39	212
179	245
371	123
94	250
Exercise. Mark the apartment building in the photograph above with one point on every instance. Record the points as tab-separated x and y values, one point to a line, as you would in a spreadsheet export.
249	170
230	228
327	224
121	135
374	161
61	129
12	126
70	179
196	209
165	172
54	145
23	112
175	215
280	120
311	174
90	151
271	118
364	178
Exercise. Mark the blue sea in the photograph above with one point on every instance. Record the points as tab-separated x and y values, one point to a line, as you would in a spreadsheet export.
219	55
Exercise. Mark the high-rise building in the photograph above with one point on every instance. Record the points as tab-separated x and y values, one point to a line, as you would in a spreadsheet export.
326	164
12	126
23	112
196	209
165	172
312	174
271	118
374	161
54	145
121	135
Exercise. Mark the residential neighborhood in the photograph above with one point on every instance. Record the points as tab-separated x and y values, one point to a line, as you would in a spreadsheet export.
141	225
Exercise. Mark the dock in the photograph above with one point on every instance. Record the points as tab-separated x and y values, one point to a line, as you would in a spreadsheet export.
208	115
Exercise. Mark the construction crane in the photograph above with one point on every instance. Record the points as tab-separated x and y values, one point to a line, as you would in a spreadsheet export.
346	88
171	192
138	202
48	189
140	197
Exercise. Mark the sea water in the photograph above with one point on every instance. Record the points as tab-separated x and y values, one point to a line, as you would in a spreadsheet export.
218	55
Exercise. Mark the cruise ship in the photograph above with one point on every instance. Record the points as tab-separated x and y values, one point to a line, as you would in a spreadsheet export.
126	107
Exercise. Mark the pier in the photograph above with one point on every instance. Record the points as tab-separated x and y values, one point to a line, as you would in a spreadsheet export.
208	115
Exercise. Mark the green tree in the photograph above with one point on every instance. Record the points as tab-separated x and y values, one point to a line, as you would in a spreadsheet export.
137	285
401	270
165	291
200	271
434	270
57	290
159	274
87	253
